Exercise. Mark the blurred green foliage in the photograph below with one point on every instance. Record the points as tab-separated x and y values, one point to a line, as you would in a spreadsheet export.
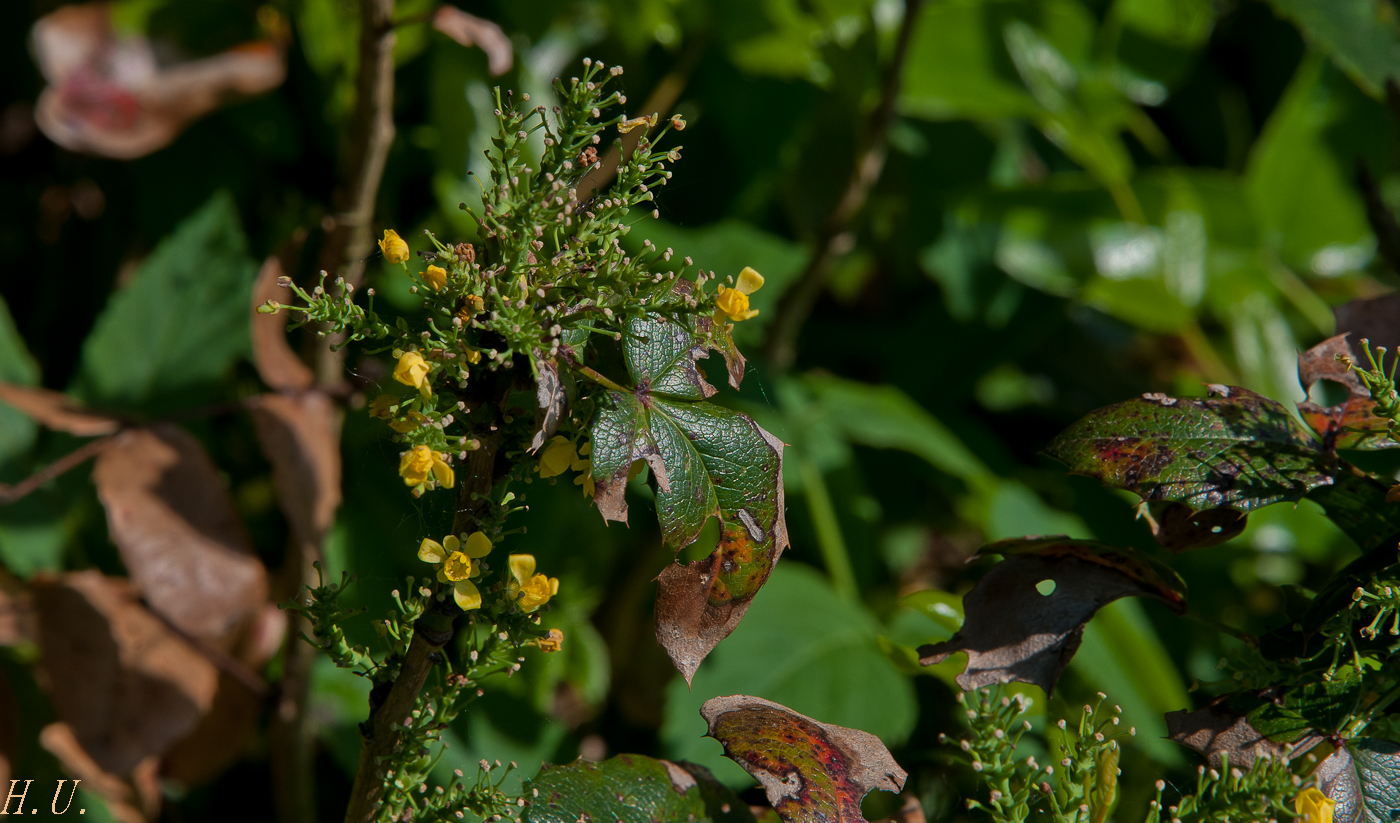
1083	200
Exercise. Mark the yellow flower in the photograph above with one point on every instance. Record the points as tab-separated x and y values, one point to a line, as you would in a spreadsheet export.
412	370
557	456
553	643
637	122
734	303
416	465
436	277
382	406
457	567
394	248
431	551
532	590
1313	806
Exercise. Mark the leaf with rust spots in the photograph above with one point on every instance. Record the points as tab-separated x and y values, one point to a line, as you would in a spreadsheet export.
300	435
552	391
277	365
715	336
178	531
1217	732
811	771
708	461
127	685
1363	778
630	788
1233	449
1025	618
1350	423
1178	527
57	411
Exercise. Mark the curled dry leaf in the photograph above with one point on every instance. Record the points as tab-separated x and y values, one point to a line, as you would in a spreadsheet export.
630	788
1350	423
1218	732
552	397
178	532
132	798
126	685
57	411
470	30
1178	527
277	365
811	771
108	95
300	435
1025	618
708	461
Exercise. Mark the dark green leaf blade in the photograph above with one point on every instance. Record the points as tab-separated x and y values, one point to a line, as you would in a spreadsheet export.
631	788
812	771
1232	449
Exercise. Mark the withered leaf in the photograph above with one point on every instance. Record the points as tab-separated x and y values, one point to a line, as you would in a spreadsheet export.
277	365
1350	423
131	798
1234	448
16	611
178	531
57	411
1178	527
811	771
708	461
222	736
470	30
1014	632
127	685
715	335
1320	363
300	435
1217	732
552	397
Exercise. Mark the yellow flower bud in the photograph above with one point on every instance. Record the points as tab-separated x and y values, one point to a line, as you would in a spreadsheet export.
733	304
457	567
1313	806
412	370
557	456
532	590
436	277
394	248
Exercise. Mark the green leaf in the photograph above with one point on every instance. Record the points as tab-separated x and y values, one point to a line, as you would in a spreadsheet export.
1234	448
1364	780
1179	22
707	461
819	655
17	430
813	772
182	320
1360	35
630	788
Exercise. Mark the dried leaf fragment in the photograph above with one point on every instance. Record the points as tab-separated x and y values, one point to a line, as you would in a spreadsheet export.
300	435
277	365
1217	732
470	30
57	411
811	771
1025	618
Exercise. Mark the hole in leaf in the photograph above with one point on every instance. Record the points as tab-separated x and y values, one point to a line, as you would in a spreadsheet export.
703	545
1216	529
1046	587
1328	393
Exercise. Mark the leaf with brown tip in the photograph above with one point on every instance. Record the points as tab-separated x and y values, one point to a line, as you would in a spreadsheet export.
300	435
127	685
1350	423
178	532
57	411
277	365
1025	618
813	772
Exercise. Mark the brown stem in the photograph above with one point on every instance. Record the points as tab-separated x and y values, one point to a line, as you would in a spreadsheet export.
69	461
430	633
834	237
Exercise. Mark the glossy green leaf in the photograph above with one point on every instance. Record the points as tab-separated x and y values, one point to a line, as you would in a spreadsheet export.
1364	781
1362	36
813	772
1234	448
820	656
707	461
181	321
630	788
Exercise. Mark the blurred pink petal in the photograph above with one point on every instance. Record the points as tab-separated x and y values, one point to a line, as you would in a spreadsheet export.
108	96
470	30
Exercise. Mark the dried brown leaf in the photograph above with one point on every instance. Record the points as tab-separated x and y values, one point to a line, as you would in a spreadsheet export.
178	531
109	96
127	685
57	411
300	434
134	798
1014	632
16	611
277	365
1376	319
1320	363
1350	423
470	30
1217	731
811	771
222	736
552	397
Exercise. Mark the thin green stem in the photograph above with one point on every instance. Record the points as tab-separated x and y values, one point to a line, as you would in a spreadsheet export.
829	538
596	377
